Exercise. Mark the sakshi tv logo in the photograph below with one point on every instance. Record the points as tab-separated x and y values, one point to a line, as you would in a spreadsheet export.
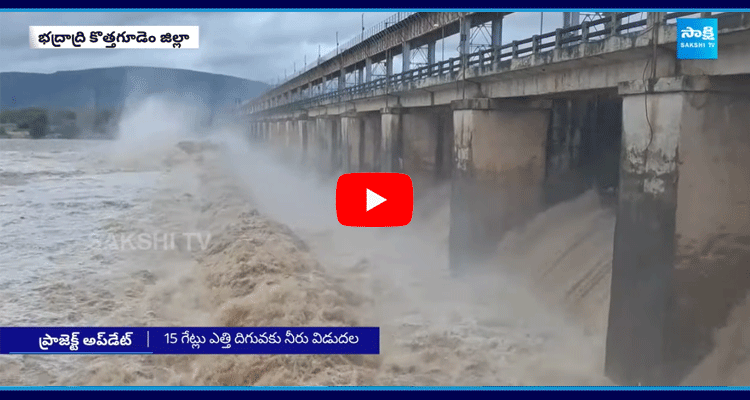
697	39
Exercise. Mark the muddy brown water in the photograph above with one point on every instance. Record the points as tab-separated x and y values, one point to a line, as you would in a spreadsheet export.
276	256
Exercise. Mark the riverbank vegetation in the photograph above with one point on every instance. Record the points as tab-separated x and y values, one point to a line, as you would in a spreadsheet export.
58	124
34	120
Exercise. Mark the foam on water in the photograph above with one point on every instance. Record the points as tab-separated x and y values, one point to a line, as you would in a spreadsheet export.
536	314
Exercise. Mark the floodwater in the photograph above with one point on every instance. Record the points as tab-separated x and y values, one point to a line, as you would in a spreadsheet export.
54	195
273	254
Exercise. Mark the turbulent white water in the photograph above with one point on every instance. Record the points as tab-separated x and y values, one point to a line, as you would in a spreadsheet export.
63	202
54	197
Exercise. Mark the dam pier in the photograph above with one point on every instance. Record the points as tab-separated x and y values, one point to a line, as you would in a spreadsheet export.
518	127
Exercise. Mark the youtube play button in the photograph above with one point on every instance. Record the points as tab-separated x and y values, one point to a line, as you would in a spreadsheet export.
374	199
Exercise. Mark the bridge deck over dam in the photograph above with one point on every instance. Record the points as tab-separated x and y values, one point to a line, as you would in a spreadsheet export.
518	127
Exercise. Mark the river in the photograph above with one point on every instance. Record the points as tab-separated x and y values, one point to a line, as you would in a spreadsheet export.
276	256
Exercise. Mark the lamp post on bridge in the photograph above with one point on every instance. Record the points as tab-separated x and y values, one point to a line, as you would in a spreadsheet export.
541	24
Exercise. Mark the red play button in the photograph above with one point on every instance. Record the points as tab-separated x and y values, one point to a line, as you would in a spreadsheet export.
374	199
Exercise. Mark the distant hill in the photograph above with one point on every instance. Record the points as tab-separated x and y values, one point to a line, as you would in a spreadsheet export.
109	87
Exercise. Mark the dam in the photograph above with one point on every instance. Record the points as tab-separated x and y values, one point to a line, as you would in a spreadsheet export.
518	127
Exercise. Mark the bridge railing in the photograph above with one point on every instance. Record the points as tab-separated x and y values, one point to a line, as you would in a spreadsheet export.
391	22
453	67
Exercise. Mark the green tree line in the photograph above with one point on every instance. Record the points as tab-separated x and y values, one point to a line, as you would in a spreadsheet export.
38	121
35	120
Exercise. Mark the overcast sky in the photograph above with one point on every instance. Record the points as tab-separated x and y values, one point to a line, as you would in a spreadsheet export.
252	45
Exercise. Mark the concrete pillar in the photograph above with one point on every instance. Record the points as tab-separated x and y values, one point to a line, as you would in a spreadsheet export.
312	135
360	76
497	38
654	19
277	139
431	54
499	160
371	141
324	87
681	248
368	69
290	133
613	24
405	57
342	79
337	157
464	38
388	64
364	165
283	141
390	139
423	144
302	141
275	134
320	144
419	143
351	142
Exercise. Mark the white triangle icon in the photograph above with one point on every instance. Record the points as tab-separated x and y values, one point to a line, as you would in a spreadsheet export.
373	200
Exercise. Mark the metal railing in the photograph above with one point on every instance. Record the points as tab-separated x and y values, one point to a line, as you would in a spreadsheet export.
577	34
366	35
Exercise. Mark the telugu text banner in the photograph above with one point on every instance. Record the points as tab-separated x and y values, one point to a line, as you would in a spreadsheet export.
190	340
113	37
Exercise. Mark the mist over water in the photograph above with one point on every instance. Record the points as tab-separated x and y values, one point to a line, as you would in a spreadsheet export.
277	256
292	196
405	269
158	178
149	129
